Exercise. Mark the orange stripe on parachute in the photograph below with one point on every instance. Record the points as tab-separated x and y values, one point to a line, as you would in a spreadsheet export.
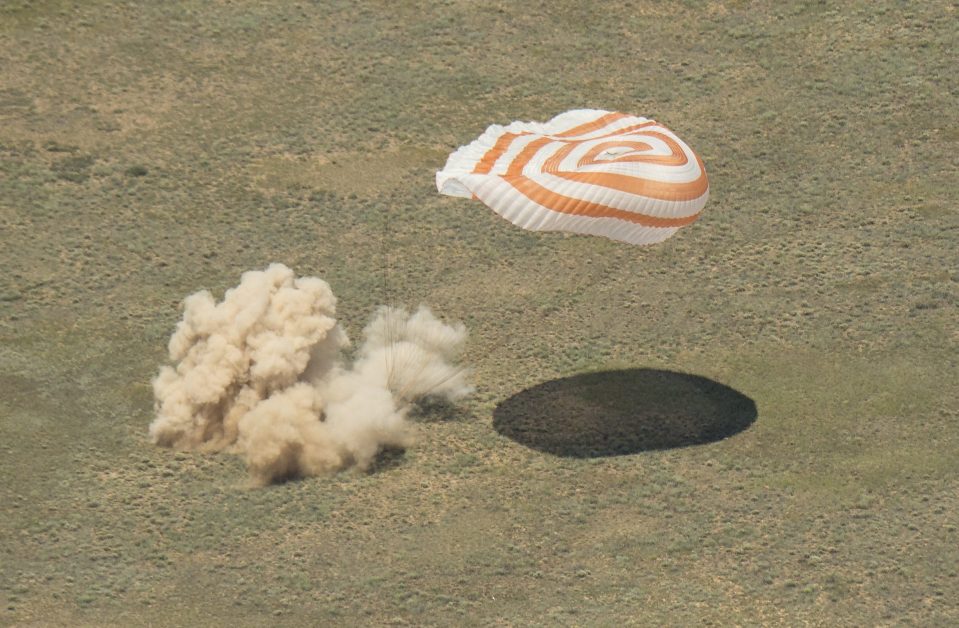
621	182
574	206
484	165
630	184
677	156
489	159
595	125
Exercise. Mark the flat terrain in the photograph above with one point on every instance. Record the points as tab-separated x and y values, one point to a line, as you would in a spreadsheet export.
774	439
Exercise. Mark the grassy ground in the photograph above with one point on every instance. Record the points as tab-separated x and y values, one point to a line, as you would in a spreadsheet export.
148	150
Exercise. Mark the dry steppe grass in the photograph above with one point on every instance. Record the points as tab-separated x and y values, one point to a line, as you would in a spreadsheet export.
148	150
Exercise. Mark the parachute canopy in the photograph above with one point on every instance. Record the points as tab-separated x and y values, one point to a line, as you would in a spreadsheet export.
586	171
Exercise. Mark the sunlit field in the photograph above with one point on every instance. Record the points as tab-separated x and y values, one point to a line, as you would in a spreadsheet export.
755	422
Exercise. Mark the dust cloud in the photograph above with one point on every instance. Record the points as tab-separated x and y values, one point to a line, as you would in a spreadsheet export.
262	374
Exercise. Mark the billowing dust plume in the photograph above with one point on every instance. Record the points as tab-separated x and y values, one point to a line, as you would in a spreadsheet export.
262	374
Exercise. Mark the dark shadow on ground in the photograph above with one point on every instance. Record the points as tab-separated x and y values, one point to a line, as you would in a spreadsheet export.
614	413
388	458
435	410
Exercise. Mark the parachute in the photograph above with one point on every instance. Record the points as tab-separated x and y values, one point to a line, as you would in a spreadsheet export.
585	171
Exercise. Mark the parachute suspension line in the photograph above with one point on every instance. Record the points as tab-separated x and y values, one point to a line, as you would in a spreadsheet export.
403	369
388	295
406	391
392	353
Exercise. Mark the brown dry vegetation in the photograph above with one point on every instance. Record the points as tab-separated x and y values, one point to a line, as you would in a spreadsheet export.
148	150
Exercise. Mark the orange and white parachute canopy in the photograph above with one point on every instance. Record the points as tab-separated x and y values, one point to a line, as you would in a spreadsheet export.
586	171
